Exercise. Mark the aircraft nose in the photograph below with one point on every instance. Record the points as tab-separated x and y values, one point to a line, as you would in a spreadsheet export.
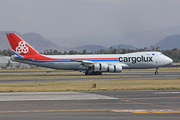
169	60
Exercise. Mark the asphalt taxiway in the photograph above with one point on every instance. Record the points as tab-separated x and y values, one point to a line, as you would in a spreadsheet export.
110	76
98	105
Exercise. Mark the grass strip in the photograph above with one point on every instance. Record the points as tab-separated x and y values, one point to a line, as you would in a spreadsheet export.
167	84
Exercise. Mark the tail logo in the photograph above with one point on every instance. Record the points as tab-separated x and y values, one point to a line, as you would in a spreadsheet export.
22	48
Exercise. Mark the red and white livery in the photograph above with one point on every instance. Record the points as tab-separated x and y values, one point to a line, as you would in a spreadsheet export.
90	64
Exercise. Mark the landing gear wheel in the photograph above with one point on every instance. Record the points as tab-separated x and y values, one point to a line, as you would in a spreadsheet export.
100	73
156	73
89	73
93	73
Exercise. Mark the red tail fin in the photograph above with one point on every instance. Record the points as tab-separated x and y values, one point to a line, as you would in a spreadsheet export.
19	46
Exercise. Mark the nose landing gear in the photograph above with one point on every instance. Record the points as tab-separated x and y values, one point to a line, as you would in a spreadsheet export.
156	73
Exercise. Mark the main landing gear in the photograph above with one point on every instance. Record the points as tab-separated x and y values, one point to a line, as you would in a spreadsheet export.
156	73
93	73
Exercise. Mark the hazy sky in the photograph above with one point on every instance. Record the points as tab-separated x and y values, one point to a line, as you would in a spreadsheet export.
93	18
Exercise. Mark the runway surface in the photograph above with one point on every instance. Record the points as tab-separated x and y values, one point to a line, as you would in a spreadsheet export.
97	105
110	76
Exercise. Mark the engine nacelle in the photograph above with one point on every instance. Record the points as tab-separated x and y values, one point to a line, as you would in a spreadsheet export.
96	67
100	67
115	68
111	68
118	68
104	67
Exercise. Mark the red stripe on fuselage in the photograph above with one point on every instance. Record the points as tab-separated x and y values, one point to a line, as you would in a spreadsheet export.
43	58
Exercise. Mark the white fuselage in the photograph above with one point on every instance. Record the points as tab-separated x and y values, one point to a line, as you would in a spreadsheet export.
138	60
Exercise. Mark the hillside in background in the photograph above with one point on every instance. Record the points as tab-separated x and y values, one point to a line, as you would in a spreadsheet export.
169	42
35	40
41	44
138	40
124	46
93	47
89	48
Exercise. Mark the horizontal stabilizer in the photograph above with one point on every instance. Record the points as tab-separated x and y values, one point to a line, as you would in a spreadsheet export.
20	58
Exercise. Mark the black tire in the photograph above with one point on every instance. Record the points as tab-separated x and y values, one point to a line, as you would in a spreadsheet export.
92	73
86	73
100	73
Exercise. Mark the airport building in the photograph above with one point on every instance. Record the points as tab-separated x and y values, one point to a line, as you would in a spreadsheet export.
6	62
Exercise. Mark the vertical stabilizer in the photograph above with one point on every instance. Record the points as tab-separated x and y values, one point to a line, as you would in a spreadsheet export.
19	46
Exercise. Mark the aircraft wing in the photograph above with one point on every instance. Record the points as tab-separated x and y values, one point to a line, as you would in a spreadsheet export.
89	63
85	62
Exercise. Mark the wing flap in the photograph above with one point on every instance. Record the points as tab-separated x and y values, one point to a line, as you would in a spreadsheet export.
84	62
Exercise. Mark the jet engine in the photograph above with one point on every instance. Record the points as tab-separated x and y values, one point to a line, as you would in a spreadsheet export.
104	67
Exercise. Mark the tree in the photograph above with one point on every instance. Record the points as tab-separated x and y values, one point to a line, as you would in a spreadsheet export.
157	49
152	48
84	51
65	53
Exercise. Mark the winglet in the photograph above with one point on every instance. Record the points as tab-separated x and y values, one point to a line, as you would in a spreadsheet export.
19	46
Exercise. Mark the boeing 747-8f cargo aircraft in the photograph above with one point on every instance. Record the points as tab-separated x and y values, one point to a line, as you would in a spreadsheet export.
90	64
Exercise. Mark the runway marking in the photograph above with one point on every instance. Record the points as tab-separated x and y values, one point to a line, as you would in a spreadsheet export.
151	98
167	92
33	111
159	105
142	111
24	96
150	104
138	111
